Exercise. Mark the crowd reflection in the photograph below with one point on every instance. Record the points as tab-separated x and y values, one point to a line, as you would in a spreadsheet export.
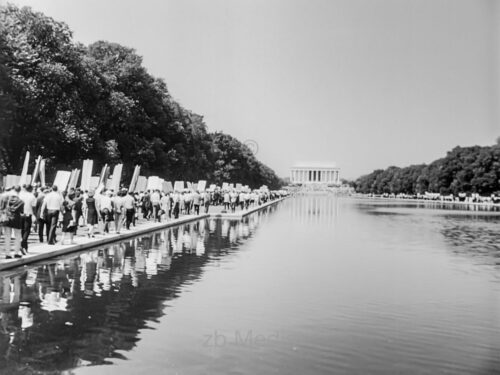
82	308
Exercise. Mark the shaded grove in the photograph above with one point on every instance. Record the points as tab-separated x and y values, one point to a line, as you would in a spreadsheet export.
474	169
68	102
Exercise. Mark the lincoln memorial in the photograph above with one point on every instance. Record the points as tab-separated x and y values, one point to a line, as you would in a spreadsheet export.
305	173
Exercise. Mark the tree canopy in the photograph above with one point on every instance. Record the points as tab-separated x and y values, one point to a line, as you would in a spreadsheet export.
472	169
67	102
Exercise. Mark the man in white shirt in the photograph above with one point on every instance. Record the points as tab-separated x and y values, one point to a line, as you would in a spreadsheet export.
165	205
206	200
155	202
53	203
196	202
188	201
118	211
105	207
29	200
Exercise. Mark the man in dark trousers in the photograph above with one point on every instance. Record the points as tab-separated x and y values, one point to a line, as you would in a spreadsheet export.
29	201
53	203
41	216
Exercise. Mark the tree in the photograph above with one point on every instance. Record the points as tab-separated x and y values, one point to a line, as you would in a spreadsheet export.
69	102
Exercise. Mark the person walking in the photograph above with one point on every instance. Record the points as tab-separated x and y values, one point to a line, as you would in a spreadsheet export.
241	200
12	208
188	202
227	200
165	205
90	209
29	201
206	201
68	222
196	202
155	204
118	211
41	216
146	205
234	198
53	203
129	207
176	202
77	207
105	209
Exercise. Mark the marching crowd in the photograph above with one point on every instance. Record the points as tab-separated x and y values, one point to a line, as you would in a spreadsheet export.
44	209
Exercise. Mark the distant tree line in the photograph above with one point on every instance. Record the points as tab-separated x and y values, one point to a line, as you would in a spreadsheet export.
68	102
473	169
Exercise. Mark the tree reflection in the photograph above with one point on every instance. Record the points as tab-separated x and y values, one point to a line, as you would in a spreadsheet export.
474	237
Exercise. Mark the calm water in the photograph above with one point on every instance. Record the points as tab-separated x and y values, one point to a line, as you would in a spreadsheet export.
317	285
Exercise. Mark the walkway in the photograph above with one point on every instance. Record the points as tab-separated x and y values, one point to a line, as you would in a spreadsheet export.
38	251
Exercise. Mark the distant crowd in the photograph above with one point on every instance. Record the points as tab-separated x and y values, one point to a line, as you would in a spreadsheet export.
460	197
44	209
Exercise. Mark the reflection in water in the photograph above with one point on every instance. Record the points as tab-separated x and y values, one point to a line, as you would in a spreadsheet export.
314	209
337	285
475	237
85	308
468	230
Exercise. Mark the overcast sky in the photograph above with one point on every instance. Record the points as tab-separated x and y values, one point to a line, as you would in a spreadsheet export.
363	83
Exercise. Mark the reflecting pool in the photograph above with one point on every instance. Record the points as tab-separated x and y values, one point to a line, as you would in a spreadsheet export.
314	285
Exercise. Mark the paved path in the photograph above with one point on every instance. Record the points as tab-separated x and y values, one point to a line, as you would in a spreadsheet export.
38	251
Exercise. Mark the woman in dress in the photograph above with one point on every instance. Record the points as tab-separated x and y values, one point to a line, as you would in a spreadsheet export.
91	210
68	221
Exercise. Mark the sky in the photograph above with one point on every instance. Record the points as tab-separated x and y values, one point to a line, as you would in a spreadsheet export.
365	84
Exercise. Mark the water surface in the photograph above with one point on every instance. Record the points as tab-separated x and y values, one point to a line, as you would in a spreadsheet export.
317	285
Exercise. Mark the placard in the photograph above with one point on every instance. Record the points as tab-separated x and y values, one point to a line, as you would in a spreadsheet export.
24	174
179	185
157	183
141	184
225	186
164	187
42	172
73	181
108	184
202	185
61	180
135	177
104	175
86	174
11	180
94	182
154	183
169	187
116	178
36	171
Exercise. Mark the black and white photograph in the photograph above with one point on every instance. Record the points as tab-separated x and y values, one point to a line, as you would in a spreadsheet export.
250	187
